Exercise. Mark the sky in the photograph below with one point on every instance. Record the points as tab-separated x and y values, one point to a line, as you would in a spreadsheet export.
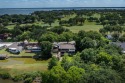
60	3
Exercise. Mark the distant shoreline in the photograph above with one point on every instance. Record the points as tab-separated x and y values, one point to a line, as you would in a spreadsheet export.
27	11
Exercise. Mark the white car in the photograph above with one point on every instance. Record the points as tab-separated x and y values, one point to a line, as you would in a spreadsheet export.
14	50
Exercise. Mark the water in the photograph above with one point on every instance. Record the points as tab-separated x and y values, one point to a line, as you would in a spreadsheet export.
31	10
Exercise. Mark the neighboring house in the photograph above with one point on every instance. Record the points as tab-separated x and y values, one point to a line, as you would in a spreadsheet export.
15	48
64	47
3	36
4	44
1	46
109	36
32	47
120	44
3	56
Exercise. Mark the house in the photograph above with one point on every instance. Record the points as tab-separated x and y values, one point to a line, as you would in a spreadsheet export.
32	47
67	48
4	44
109	36
1	46
120	44
15	48
3	56
4	36
64	47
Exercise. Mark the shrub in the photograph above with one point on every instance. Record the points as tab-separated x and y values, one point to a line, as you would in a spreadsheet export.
5	75
18	78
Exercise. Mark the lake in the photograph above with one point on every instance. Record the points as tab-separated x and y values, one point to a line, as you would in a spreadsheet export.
31	10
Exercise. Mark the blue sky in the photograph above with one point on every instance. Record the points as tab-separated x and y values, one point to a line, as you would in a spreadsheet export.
60	3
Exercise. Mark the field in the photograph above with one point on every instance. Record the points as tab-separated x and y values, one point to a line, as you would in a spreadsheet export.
86	27
16	66
76	29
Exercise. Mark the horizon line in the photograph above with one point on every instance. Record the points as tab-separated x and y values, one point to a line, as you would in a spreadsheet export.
59	7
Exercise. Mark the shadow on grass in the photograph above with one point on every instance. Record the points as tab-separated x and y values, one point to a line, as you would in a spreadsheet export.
38	57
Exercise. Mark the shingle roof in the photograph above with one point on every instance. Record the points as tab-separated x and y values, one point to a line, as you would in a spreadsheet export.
66	46
120	44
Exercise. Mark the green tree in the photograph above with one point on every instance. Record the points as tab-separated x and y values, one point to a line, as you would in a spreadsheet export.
50	36
87	43
76	74
104	57
88	55
25	35
68	36
53	62
46	48
59	29
58	75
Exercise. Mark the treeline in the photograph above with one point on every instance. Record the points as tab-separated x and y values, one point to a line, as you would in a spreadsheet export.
105	17
116	32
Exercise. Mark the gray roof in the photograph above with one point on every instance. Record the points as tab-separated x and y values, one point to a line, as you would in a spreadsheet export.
120	44
66	46
16	45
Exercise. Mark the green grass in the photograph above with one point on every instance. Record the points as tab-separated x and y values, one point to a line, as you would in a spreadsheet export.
10	26
87	25
16	66
23	53
76	29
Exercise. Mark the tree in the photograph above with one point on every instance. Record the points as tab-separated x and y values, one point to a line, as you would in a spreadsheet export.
25	36
59	29
37	33
16	31
49	20
104	76
104	57
75	74
115	36
53	62
68	36
87	43
50	36
66	63
82	34
46	48
94	35
58	75
88	55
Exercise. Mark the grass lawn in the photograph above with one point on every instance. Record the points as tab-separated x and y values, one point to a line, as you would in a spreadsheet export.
23	53
76	29
16	66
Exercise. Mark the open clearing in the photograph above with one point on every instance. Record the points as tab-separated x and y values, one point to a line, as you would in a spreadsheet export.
16	66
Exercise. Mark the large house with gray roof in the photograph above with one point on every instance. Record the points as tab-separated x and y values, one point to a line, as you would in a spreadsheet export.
64	47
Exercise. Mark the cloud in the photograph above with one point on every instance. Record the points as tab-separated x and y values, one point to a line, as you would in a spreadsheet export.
60	3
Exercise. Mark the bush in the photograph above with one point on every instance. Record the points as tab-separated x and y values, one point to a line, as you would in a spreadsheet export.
18	78
5	75
28	80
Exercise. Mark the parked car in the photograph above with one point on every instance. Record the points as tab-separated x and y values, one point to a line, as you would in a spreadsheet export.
14	50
